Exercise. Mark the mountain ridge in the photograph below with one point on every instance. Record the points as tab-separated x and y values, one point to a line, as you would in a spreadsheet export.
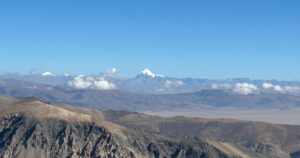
24	133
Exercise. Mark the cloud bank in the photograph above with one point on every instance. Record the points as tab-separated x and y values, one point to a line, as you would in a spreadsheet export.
249	88
245	88
221	86
281	89
102	84
79	82
173	83
87	82
267	85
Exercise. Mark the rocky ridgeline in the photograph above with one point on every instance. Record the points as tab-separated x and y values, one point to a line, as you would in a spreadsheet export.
27	137
23	136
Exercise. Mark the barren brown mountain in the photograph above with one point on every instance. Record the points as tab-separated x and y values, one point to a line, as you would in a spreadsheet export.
35	128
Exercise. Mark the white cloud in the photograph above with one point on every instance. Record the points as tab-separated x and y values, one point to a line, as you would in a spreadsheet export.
278	88
221	86
174	83
88	82
245	88
281	89
292	89
267	85
79	82
47	74
103	84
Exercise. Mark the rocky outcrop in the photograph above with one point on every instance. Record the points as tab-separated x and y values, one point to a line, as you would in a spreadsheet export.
157	146
27	137
22	136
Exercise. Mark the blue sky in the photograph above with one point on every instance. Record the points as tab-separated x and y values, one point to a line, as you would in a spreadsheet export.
194	38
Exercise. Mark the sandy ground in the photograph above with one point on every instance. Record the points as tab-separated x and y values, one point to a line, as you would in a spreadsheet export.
290	116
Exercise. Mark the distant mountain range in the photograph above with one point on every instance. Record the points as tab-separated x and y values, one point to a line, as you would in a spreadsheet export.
151	92
150	83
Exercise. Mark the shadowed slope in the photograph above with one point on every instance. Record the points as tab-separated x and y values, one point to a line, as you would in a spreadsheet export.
265	138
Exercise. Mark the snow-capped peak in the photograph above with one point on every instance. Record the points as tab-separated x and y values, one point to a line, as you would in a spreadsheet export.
47	74
149	73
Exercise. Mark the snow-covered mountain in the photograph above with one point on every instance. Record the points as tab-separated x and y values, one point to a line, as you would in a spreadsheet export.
146	73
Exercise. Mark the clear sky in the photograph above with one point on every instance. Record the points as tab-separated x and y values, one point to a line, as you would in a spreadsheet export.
181	38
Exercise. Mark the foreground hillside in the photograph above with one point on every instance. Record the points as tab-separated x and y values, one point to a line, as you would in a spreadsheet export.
34	128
